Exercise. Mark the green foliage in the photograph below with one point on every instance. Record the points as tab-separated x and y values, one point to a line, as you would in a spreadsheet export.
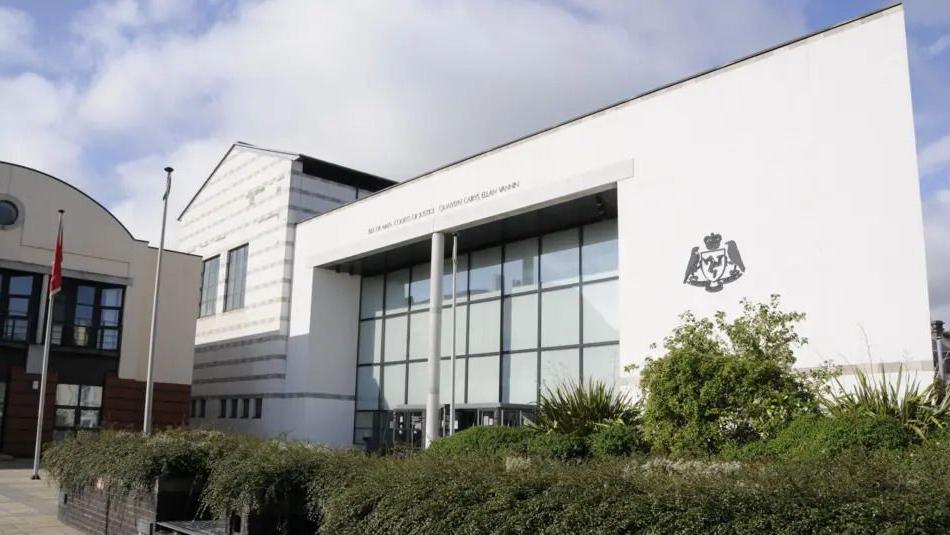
559	446
722	383
485	440
901	399
577	408
617	440
813	436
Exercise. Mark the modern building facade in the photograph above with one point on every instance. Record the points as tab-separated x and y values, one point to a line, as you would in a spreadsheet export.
790	172
101	318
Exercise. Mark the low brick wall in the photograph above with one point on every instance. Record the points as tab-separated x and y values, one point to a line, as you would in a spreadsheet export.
97	512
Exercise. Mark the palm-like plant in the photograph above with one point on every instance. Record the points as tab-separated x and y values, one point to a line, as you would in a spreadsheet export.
579	408
920	410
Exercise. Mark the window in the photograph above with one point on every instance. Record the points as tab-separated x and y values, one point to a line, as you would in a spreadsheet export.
222	408
18	301
8	213
88	315
258	407
202	405
245	408
236	278
234	408
194	408
77	408
209	286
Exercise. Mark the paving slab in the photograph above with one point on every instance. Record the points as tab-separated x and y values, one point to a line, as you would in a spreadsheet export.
28	507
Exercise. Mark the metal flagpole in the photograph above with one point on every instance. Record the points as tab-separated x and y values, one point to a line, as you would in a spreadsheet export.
46	343
455	251
149	378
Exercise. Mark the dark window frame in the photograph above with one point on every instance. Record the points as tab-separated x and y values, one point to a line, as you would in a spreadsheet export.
64	323
258	408
33	303
77	414
235	284
208	294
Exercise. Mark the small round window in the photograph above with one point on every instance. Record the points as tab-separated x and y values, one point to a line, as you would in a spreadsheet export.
8	213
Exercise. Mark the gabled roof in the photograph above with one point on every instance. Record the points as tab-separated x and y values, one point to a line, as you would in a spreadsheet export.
311	166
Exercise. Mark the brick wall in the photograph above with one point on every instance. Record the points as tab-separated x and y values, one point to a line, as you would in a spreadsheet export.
19	421
98	512
123	404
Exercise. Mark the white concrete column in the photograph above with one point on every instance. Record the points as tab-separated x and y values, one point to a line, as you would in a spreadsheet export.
433	422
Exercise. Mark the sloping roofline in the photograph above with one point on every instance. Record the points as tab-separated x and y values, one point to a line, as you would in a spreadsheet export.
624	101
317	167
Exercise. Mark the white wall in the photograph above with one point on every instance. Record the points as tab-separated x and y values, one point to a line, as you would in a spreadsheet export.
803	155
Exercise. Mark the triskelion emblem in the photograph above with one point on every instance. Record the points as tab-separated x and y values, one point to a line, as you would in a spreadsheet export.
716	266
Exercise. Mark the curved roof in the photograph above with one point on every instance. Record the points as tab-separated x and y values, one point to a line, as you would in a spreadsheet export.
81	192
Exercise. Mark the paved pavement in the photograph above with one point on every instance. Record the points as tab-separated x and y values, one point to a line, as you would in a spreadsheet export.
27	507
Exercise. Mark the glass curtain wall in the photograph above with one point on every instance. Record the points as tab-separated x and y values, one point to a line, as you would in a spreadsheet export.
531	314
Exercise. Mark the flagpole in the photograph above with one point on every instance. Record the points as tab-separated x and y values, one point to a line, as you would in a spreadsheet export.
46	343
149	378
455	251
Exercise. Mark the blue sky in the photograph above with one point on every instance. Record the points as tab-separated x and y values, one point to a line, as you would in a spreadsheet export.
106	93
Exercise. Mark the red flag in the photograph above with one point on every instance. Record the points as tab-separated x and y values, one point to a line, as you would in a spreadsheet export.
56	277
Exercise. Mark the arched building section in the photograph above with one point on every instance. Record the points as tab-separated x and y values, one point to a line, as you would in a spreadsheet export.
101	318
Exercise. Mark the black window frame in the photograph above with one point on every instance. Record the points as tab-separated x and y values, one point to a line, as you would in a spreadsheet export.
235	284
33	302
258	408
64	323
77	409
223	408
208	300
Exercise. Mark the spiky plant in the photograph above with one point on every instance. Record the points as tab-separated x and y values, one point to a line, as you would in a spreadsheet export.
580	408
920	410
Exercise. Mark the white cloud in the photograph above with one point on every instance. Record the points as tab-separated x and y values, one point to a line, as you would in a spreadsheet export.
935	155
16	36
938	46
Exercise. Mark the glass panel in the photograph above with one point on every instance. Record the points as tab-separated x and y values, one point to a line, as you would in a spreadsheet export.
370	342
461	313
57	334
397	291
15	329
520	325
111	297
367	387
419	288
483	379
236	278
445	387
600	311
209	286
108	339
559	367
21	285
418	387
394	385
90	396
600	250
419	335
519	378
81	336
484	277
371	297
395	344
86	295
89	418
521	266
258	407
461	280
83	315
484	326
67	394
18	306
600	364
560	260
65	418
109	317
560	321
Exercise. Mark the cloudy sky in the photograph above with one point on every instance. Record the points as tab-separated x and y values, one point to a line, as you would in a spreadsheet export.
104	94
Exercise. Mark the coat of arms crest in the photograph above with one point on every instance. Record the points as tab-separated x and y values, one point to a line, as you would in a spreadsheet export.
716	266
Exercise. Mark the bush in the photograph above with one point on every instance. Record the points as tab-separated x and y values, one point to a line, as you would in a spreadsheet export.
810	437
577	408
725	382
617	440
485	440
901	400
559	446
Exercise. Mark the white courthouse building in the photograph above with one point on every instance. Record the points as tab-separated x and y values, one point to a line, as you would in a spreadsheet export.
791	172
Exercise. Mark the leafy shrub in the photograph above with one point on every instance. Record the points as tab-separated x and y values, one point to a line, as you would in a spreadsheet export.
559	446
901	399
725	382
577	408
485	440
617	440
814	436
